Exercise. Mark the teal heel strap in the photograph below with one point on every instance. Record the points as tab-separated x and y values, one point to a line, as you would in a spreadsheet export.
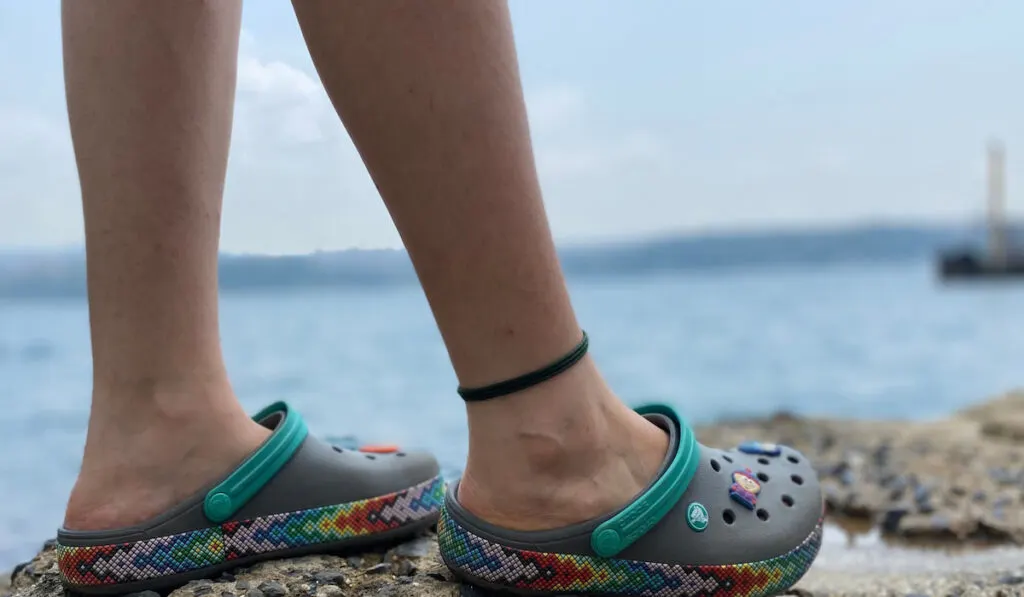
620	531
234	492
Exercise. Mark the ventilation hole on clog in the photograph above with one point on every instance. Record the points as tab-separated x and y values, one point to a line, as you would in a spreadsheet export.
728	516
762	477
763	461
400	454
787	500
337	449
797	479
714	465
726	458
370	456
793	459
762	514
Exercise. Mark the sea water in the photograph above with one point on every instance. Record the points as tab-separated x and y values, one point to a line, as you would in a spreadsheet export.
367	364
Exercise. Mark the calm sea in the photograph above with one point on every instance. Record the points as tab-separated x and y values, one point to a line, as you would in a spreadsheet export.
368	365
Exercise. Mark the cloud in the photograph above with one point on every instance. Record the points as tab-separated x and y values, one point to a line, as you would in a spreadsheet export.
295	180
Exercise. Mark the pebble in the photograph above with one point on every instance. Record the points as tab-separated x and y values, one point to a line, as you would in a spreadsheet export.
378	569
329	591
890	522
272	588
330	577
417	548
403	568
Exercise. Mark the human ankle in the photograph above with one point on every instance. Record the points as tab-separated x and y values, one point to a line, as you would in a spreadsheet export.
558	453
139	461
545	427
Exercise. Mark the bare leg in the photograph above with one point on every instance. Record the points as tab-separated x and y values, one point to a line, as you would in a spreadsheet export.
430	93
150	89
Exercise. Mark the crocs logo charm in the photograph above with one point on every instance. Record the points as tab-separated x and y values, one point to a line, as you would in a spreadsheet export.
760	448
745	488
697	516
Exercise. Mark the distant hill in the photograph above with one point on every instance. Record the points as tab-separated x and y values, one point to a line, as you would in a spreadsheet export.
31	275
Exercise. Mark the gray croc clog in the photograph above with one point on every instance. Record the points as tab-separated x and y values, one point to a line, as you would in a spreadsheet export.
294	495
714	523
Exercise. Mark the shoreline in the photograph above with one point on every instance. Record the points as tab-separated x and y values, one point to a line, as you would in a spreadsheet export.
941	501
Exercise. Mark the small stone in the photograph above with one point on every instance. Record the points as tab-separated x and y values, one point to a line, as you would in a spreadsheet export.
923	497
1012	579
242	585
379	568
255	593
227	594
226	577
354	561
882	455
329	591
272	588
403	568
417	548
890	522
330	577
1002	476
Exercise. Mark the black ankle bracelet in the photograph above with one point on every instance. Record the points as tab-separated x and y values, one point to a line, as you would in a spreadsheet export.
517	384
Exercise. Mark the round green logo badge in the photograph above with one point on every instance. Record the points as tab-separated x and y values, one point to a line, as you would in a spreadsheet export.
697	516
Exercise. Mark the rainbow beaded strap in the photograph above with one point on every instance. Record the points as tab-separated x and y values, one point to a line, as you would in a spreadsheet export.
294	495
737	523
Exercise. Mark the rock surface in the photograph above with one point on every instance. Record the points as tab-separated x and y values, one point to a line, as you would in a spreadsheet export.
952	480
952	483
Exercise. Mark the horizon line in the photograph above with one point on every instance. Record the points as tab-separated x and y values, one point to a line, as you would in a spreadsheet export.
697	233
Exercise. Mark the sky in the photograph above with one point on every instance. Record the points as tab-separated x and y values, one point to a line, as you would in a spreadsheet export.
649	118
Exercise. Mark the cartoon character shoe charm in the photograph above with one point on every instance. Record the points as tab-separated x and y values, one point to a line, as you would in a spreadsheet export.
745	488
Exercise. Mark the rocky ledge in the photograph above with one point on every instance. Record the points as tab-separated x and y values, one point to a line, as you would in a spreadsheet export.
952	482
